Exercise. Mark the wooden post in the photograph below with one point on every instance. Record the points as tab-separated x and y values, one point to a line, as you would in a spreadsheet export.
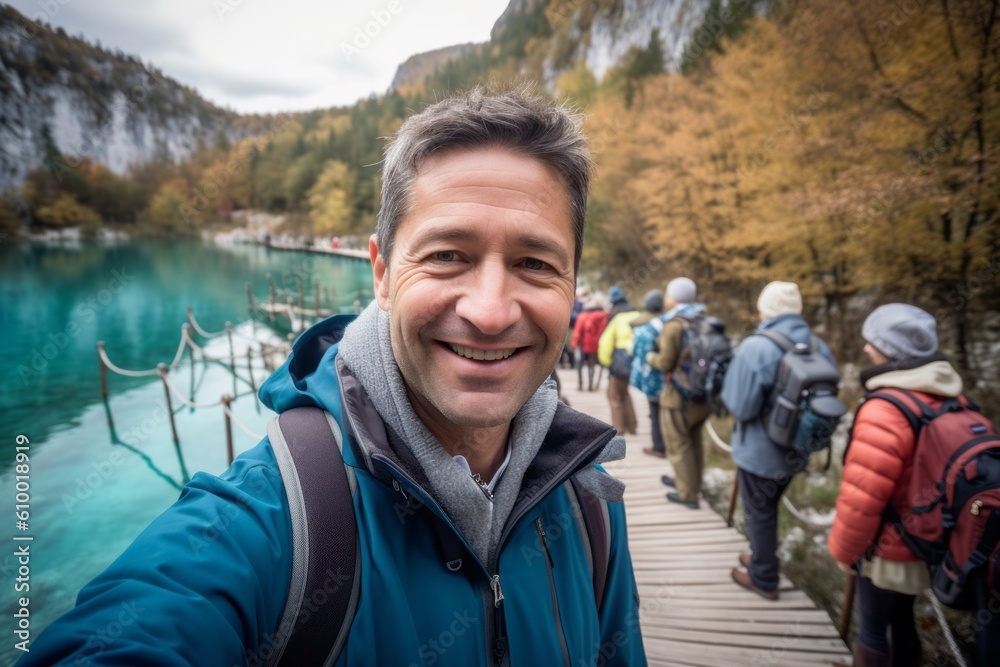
847	609
227	401
162	368
250	310
357	306
732	500
104	371
270	296
232	354
291	313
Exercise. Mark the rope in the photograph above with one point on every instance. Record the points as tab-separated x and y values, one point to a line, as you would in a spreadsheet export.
952	644
183	399
719	442
202	332
240	424
821	525
138	374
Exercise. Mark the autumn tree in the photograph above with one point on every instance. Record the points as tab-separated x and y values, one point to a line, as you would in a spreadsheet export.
330	200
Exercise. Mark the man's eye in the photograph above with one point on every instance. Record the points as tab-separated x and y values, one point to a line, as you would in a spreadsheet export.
534	264
445	256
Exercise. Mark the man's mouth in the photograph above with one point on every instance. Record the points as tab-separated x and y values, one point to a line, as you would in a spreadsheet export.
481	355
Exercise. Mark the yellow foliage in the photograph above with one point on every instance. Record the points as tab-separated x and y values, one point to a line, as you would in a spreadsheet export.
330	200
170	209
65	211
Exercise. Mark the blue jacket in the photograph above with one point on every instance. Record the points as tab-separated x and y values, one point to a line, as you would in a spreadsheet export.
205	583
748	383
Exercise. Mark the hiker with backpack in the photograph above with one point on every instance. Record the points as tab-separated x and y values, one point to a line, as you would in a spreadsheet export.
590	324
423	497
921	485
682	411
614	352
774	431
645	330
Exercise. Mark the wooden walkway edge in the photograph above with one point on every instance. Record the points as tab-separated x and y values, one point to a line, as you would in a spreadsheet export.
692	614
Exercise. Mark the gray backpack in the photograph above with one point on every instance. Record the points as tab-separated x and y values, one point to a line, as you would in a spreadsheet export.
802	411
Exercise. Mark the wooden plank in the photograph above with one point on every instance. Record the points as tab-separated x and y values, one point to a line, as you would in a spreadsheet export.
691	612
746	626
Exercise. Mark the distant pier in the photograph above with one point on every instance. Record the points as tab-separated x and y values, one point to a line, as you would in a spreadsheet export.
341	252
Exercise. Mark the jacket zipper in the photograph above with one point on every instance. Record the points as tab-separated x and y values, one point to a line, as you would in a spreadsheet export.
550	566
498	640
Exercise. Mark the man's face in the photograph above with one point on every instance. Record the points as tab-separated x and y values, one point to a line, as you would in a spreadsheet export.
480	287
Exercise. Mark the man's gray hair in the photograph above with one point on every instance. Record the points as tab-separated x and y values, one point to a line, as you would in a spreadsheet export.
516	119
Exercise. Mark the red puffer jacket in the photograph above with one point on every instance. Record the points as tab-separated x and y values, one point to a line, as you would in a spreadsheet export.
587	332
877	470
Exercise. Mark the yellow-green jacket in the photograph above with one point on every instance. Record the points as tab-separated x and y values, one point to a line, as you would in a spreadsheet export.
617	336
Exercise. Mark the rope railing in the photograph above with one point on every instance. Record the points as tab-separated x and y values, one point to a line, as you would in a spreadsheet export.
184	400
243	427
719	442
135	374
948	636
798	514
197	327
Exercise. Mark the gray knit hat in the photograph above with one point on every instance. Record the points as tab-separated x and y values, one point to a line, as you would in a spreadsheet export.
682	290
653	301
901	331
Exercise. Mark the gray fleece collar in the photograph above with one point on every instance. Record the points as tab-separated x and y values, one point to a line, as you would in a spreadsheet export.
367	352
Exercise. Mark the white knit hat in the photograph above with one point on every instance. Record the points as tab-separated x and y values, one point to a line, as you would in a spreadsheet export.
779	298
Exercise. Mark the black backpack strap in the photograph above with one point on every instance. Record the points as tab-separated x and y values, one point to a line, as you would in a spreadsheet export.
594	523
987	544
915	421
307	444
778	339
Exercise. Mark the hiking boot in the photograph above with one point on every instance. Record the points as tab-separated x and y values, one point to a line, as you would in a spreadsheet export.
668	481
746	559
866	657
742	578
674	498
652	452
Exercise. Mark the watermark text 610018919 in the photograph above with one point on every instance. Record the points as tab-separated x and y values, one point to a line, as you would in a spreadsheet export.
22	546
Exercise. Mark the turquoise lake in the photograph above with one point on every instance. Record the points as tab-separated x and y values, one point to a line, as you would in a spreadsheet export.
94	488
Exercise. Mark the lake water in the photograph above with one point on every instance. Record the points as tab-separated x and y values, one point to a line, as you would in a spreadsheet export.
93	488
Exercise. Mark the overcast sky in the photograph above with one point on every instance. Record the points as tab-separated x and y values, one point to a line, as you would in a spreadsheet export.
274	55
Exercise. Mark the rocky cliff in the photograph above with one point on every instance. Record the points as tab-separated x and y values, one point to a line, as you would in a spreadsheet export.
60	93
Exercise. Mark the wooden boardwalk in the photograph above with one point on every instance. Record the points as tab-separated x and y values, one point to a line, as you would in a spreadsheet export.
692	613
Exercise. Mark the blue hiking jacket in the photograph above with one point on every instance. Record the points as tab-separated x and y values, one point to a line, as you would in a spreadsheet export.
748	383
205	583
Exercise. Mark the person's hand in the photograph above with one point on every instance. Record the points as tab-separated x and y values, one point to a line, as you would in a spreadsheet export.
649	357
845	568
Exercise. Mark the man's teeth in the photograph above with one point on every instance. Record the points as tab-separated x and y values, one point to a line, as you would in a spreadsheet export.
481	355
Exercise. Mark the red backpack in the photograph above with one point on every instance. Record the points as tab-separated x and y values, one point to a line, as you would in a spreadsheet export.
952	518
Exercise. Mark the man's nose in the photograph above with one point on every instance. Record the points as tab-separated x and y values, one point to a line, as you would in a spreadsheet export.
489	300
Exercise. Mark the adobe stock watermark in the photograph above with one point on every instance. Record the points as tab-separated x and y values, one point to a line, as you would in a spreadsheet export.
223	7
49	10
435	647
363	35
57	342
901	13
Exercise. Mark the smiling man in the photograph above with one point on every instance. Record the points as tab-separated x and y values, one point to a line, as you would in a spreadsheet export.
473	526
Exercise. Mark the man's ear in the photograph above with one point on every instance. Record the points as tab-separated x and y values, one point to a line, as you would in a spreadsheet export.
380	274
